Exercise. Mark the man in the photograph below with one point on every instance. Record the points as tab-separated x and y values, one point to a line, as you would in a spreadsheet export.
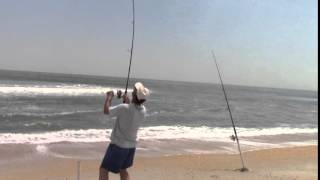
120	153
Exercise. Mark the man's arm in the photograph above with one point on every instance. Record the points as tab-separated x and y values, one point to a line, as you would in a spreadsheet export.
107	103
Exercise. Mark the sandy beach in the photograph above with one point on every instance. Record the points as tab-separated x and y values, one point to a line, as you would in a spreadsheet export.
279	163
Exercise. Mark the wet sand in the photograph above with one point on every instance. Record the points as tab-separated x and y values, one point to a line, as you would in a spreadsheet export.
21	162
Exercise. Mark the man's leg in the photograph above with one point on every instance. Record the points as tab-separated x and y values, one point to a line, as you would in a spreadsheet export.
103	174
124	175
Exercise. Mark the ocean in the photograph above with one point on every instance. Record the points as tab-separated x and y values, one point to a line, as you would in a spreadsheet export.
45	108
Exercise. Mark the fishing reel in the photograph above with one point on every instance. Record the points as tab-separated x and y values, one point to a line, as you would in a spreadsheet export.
233	138
116	92
119	94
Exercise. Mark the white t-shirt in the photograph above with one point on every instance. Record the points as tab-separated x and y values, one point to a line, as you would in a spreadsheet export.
129	117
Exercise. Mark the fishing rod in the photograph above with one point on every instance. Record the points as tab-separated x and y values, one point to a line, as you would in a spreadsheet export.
234	128
119	93
131	52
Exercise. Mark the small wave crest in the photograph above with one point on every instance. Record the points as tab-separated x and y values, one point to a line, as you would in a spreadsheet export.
149	133
55	90
42	149
39	114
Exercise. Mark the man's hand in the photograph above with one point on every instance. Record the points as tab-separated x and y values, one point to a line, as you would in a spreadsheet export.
110	95
107	103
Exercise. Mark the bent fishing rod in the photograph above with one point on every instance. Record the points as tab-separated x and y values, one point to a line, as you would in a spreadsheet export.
119	93
131	51
234	128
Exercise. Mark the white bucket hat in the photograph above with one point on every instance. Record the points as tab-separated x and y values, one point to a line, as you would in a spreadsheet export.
142	92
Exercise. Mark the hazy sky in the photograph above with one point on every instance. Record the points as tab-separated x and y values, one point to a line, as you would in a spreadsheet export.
270	43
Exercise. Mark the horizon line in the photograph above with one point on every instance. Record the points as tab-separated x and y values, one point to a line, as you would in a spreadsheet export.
201	82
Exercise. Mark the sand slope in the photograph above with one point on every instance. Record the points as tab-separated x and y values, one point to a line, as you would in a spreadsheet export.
284	163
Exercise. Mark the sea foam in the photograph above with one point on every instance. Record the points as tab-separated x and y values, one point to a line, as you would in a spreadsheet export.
57	90
149	133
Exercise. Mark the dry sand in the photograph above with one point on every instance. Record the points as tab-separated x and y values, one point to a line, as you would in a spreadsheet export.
283	163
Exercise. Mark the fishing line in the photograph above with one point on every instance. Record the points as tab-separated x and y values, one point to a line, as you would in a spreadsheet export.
234	128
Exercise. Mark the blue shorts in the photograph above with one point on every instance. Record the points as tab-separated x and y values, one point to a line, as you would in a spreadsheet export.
117	158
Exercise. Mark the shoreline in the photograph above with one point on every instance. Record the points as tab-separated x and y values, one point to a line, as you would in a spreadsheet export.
276	163
147	148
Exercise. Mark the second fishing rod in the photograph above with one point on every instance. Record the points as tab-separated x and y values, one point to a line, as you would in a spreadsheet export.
243	169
